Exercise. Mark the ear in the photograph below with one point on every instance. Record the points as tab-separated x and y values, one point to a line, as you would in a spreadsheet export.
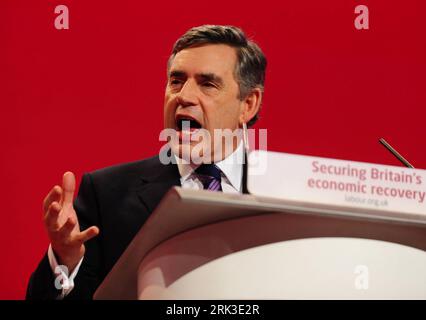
250	105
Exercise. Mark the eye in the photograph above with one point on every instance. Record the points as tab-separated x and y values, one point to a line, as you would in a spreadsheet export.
208	84
175	81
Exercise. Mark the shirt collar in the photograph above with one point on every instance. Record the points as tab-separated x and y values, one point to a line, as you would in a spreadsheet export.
231	167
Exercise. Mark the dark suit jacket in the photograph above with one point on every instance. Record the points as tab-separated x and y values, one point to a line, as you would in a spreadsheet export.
118	200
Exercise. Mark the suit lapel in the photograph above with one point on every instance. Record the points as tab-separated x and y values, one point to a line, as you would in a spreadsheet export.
156	183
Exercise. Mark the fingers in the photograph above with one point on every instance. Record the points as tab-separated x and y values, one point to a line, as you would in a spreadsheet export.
59	199
87	234
61	195
66	230
54	195
68	186
68	226
51	218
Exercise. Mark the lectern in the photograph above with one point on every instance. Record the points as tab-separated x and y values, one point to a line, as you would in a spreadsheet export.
211	245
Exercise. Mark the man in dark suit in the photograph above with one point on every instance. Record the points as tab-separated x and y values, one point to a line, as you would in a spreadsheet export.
215	82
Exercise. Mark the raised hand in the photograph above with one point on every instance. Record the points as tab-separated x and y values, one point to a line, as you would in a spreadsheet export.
62	224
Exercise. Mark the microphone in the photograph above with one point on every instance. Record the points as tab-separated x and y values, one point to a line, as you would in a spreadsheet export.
245	160
395	153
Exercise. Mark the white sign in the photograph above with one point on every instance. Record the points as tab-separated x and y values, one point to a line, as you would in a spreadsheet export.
338	182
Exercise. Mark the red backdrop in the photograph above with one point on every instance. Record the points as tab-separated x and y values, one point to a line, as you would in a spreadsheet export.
92	96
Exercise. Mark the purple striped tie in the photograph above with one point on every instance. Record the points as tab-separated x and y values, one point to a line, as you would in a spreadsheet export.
210	177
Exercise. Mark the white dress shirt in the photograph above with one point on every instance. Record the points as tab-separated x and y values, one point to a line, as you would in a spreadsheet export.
231	178
231	172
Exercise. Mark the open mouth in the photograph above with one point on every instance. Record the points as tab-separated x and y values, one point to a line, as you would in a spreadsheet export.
184	123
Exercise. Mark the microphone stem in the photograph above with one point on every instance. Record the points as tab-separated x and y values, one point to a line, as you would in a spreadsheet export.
395	153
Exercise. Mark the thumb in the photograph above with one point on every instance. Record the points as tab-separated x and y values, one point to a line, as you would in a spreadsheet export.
68	186
87	234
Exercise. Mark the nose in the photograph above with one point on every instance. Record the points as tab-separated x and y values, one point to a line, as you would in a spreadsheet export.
187	96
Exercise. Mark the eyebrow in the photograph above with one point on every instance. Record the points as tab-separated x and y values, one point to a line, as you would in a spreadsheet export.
209	76
177	74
